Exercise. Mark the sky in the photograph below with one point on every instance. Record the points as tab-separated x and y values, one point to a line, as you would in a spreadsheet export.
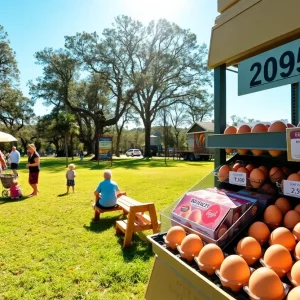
33	25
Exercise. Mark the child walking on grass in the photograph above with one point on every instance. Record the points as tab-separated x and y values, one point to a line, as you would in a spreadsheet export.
70	175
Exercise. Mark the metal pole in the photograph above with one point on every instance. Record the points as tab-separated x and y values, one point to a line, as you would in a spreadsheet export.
219	110
295	103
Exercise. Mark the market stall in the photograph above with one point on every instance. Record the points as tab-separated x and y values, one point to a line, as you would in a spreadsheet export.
246	210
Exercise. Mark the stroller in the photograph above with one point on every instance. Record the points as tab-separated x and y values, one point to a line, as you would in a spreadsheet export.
6	179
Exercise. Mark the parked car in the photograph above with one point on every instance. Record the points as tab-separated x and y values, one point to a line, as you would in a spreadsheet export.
133	152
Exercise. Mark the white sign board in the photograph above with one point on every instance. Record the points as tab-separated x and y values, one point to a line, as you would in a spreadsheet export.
237	178
273	68
291	188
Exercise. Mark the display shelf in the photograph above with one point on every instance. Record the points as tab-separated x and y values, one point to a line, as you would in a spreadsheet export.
263	141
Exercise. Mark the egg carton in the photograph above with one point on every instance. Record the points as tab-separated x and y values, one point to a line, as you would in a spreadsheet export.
158	241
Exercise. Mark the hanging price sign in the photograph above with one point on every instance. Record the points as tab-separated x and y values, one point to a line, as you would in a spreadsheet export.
293	144
237	178
291	188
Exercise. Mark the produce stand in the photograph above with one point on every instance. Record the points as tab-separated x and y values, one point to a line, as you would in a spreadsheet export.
246	32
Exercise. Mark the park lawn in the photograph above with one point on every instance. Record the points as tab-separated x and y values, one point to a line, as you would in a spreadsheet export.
50	249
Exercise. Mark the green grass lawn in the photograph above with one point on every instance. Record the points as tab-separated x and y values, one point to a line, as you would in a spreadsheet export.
50	249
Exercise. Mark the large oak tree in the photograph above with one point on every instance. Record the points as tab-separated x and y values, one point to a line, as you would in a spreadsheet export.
153	66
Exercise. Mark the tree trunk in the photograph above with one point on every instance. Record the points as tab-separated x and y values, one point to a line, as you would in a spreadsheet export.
147	152
118	141
66	150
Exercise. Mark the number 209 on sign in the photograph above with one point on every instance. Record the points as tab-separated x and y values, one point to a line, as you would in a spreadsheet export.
273	68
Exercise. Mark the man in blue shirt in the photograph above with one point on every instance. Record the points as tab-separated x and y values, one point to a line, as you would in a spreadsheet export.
106	192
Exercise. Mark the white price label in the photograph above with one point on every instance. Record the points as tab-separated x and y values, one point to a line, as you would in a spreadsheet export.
237	178
291	188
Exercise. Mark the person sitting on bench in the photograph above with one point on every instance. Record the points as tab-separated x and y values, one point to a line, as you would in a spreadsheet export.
106	192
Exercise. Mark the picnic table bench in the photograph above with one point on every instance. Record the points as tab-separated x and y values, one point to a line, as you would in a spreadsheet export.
137	217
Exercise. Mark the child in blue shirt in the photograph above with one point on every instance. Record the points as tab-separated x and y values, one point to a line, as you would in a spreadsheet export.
106	192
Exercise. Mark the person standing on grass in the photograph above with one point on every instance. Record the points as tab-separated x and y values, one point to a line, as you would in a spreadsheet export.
34	169
14	158
70	175
106	192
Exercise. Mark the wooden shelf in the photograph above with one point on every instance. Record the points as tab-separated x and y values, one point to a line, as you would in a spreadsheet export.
264	141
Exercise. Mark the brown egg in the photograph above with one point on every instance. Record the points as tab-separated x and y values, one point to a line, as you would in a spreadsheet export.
279	259
296	231
291	218
276	174
223	172
235	271
243	129
258	128
210	258
273	216
268	188
277	126
256	177
284	237
283	204
244	170
294	294
249	249
295	273
265	170
297	208
297	251
286	171
236	166
265	284
294	177
174	237
230	130
191	246
260	231
250	167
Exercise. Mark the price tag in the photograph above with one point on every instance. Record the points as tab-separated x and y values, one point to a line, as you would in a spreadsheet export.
237	178
293	144
291	188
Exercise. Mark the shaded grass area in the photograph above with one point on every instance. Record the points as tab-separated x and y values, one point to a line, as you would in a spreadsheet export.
50	249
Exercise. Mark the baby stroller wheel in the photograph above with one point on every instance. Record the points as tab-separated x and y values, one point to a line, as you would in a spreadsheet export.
5	194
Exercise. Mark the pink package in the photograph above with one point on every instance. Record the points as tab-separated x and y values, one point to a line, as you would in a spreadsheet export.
209	213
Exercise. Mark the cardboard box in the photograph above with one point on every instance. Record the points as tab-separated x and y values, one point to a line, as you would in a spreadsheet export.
211	213
263	199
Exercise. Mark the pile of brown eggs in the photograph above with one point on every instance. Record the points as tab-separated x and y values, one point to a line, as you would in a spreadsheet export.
272	246
259	177
277	126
